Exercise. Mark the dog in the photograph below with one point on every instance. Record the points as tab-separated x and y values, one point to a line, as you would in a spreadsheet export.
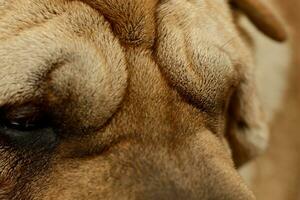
137	99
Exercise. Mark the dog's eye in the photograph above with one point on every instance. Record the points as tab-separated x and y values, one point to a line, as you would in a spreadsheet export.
27	126
27	118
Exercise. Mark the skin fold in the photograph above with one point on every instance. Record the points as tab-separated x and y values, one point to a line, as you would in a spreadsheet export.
137	99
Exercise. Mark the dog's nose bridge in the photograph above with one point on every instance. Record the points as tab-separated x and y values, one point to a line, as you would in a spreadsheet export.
158	172
179	184
133	21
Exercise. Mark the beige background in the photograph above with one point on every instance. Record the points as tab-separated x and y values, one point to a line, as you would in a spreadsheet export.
278	170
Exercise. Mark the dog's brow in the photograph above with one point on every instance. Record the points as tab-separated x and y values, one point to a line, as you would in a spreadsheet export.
228	43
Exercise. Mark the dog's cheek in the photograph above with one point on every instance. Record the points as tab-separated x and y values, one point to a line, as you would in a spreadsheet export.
19	170
7	180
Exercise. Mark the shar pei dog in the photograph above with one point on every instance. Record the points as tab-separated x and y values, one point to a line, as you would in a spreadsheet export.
133	99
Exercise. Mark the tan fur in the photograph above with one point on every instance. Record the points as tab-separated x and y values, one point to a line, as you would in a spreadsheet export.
147	100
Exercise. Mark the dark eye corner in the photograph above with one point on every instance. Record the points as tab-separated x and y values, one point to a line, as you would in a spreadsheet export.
26	125
24	118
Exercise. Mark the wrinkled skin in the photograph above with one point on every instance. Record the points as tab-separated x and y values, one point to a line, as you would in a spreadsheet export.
138	99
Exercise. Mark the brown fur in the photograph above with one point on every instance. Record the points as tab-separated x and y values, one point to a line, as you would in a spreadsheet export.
144	98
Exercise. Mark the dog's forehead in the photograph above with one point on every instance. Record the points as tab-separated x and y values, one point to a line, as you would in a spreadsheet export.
133	22
209	21
199	24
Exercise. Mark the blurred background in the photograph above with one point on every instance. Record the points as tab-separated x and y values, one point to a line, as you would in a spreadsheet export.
277	173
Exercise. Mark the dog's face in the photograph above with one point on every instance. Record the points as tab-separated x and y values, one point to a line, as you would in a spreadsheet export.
137	99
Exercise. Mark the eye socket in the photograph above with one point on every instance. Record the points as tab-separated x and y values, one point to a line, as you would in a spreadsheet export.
26	127
25	118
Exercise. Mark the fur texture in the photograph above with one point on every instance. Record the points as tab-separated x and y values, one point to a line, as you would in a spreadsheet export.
144	100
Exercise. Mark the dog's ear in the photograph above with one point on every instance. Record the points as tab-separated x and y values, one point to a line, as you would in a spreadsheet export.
262	17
